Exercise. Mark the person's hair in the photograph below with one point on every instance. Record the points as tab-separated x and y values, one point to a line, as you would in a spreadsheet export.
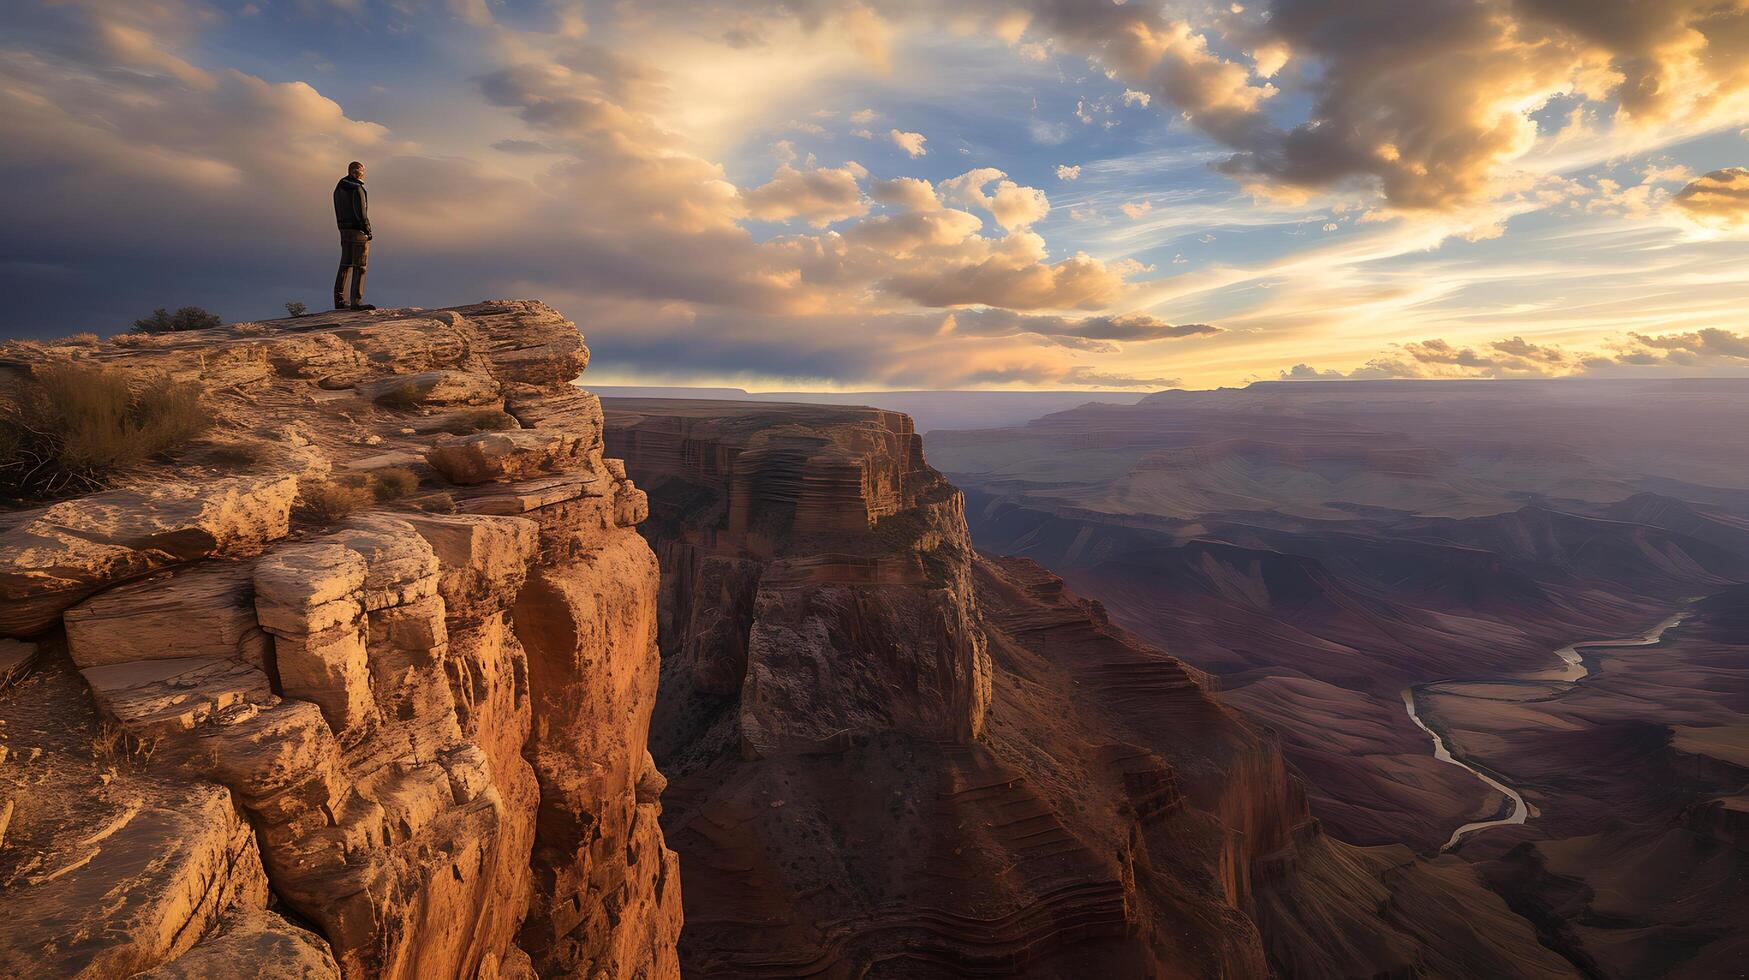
354	165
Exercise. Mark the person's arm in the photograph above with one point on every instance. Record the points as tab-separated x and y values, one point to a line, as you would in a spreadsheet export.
364	212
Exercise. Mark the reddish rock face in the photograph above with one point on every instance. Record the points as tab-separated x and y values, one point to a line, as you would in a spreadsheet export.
891	754
820	572
423	732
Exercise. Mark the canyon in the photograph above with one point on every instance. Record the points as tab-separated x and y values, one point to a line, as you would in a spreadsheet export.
984	775
659	687
1326	549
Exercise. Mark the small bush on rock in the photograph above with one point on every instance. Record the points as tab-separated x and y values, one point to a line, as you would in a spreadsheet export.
73	428
483	420
187	318
327	501
393	482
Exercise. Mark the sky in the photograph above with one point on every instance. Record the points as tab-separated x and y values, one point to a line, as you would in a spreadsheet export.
898	194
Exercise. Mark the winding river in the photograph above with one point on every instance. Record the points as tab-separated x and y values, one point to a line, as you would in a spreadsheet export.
1573	671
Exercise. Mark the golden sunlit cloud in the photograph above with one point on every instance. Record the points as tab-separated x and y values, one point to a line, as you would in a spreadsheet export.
1718	200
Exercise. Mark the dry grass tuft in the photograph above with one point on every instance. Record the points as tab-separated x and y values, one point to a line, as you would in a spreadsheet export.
74	428
327	501
112	744
393	482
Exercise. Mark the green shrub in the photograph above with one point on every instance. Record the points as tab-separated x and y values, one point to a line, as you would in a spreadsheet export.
72	428
187	318
295	308
482	420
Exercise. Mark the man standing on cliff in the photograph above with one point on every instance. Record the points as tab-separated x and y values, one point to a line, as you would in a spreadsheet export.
352	214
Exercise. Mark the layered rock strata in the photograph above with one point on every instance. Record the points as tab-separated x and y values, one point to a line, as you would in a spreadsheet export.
404	742
893	756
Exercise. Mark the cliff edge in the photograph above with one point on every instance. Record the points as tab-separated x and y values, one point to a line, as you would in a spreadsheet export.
357	683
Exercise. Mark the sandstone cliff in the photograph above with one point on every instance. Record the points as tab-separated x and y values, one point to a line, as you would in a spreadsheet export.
244	735
892	756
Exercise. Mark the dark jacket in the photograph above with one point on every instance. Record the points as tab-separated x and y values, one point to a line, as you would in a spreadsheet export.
351	205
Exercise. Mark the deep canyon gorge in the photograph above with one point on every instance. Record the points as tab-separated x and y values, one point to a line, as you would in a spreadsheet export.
1334	552
660	687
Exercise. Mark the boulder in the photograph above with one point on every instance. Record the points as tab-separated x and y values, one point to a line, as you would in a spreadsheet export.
482	560
514	454
204	610
307	588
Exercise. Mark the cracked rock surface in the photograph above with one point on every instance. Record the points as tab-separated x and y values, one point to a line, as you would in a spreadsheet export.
407	741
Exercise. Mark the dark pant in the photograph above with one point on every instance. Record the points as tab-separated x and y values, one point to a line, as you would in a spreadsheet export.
354	253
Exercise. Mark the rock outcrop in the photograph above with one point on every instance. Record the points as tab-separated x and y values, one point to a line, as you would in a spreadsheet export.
818	571
260	737
890	755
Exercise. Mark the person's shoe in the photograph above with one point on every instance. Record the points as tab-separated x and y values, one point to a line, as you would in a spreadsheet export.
362	306
340	304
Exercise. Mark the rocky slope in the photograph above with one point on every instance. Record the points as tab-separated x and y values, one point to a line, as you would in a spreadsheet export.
406	742
892	756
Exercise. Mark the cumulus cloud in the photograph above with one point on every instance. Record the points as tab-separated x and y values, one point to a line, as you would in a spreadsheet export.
1718	200
1067	171
819	196
1431	103
112	128
912	193
1711	346
1012	205
911	143
940	232
1012	272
